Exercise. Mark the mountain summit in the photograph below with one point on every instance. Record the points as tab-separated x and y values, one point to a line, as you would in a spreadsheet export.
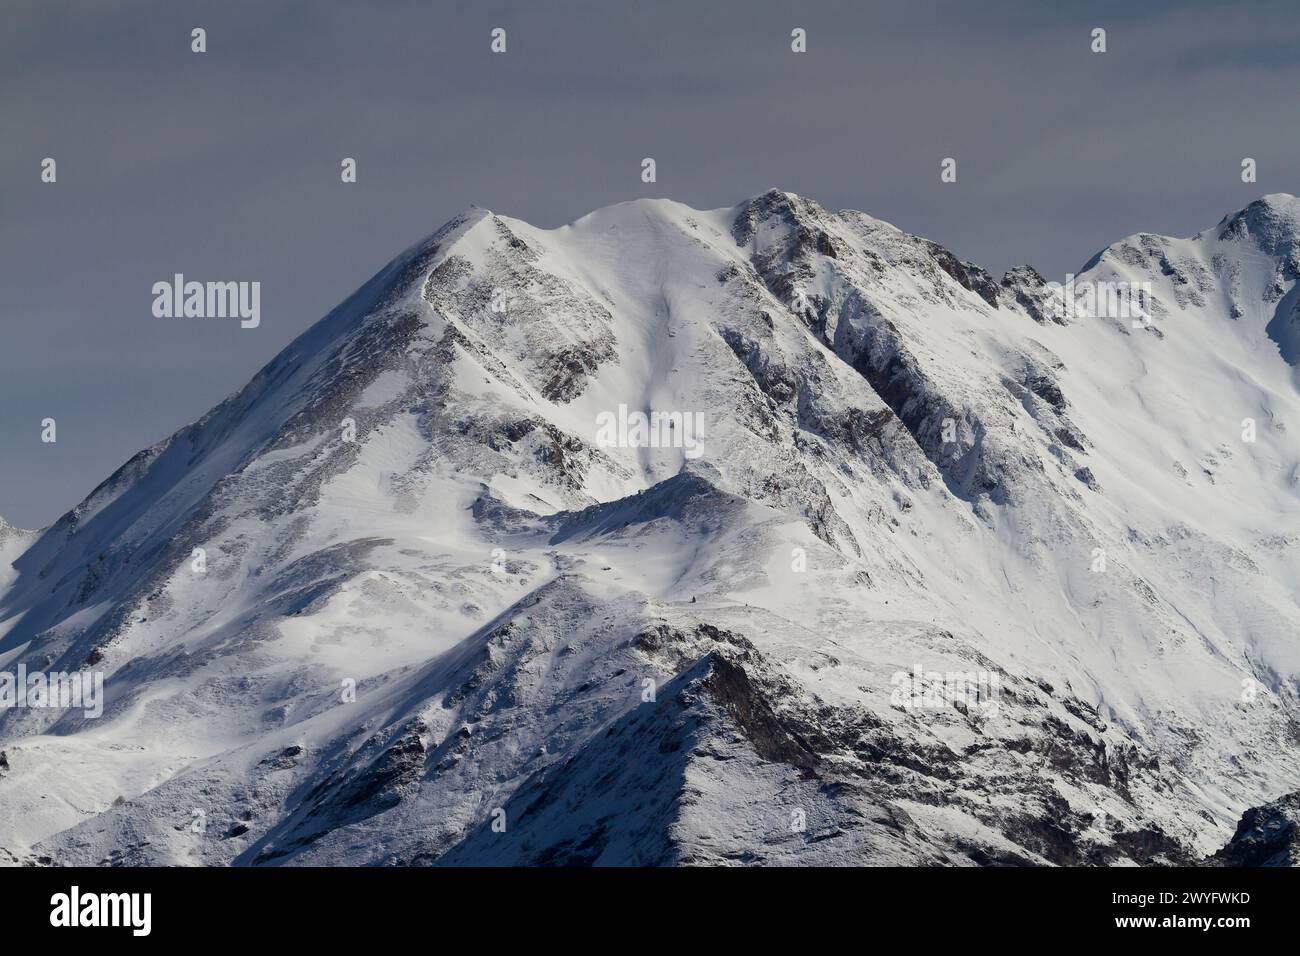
763	534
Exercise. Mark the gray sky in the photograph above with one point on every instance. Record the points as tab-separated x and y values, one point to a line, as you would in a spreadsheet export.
225	165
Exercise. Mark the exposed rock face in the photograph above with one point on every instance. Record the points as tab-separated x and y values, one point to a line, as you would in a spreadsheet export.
945	577
1266	836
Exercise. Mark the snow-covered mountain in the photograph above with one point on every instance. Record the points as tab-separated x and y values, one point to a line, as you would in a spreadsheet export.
13	542
738	645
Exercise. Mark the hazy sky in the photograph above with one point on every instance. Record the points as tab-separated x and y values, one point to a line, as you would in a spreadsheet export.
225	165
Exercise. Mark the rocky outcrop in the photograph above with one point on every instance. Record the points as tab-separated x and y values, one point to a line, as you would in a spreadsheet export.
1266	836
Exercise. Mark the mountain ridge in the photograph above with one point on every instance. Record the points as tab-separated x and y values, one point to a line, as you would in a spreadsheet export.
929	441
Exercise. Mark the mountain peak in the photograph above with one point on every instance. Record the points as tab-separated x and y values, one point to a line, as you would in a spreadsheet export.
1272	220
1282	203
522	475
7	530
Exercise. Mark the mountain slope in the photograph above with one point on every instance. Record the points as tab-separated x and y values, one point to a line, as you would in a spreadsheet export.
566	650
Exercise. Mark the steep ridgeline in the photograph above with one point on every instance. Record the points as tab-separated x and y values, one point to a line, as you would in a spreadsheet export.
925	569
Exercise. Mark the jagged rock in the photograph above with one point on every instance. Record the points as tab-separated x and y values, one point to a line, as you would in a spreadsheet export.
1266	836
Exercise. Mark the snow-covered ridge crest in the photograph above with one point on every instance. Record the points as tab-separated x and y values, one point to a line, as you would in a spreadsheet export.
402	581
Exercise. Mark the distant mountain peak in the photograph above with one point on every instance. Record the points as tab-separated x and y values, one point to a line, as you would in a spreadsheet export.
1272	221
